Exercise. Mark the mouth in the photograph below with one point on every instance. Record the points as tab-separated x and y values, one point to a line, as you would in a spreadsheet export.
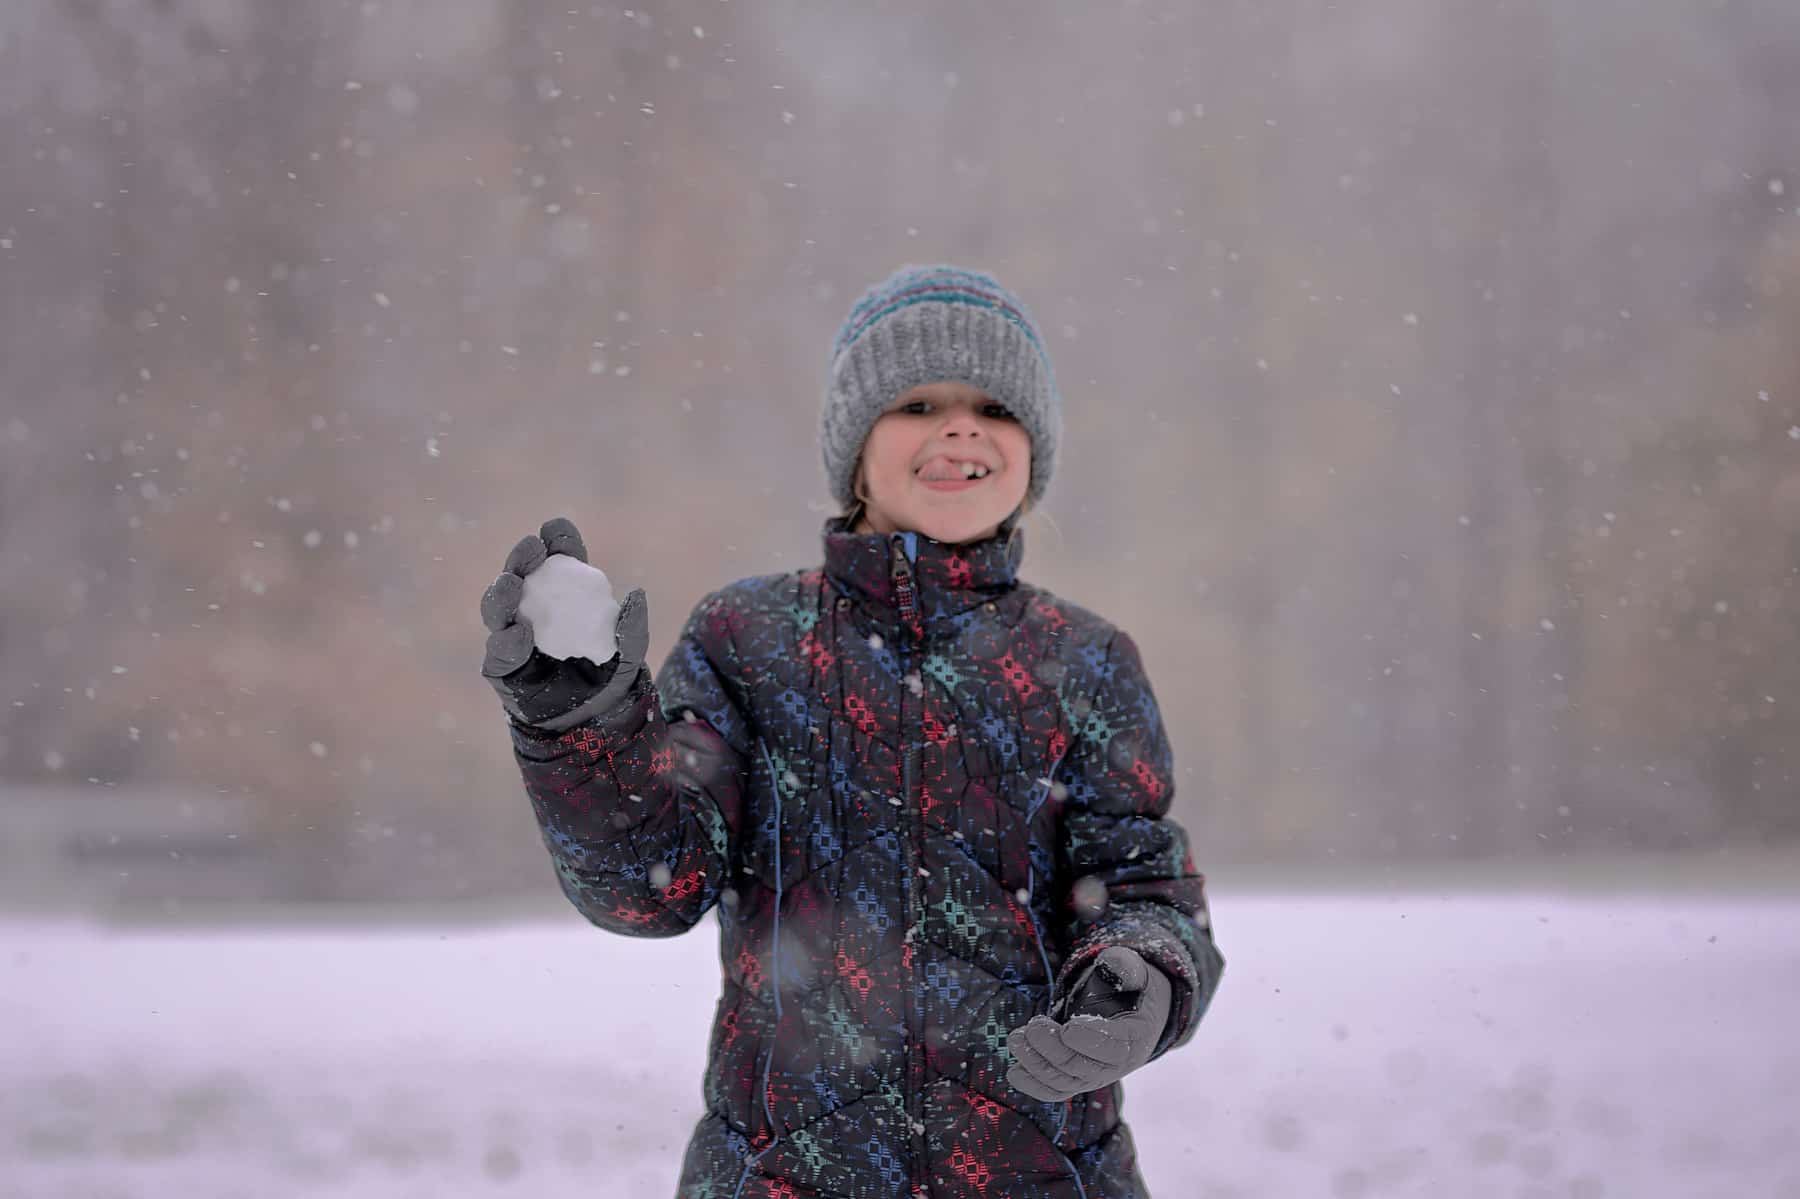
948	473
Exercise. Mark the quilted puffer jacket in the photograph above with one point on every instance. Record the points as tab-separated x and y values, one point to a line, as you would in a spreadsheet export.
888	776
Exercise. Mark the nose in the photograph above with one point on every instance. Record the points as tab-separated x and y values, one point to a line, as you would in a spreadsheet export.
962	423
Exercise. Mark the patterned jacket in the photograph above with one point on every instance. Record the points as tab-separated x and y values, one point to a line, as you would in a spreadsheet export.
888	776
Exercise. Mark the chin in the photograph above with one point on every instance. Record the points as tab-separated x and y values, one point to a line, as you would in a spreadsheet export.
957	528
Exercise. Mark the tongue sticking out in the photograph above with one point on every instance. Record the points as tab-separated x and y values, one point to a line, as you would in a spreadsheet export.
943	469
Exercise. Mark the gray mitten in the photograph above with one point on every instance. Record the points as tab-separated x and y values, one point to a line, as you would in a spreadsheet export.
1116	1016
555	693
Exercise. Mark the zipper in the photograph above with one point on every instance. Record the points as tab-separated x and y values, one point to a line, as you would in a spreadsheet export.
909	726
905	598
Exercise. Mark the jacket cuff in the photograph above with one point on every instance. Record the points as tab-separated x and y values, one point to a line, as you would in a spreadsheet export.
614	723
1130	926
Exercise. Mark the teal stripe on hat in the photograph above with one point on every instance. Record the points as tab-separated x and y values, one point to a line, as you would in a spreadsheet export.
972	299
939	284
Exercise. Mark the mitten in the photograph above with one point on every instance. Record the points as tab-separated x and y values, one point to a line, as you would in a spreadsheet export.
1115	1018
555	693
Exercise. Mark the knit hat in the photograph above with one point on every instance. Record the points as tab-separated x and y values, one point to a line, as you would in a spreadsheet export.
923	324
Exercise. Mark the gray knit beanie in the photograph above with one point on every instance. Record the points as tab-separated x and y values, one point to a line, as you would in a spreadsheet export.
923	324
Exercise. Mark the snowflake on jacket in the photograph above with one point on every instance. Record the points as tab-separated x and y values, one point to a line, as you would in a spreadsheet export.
922	796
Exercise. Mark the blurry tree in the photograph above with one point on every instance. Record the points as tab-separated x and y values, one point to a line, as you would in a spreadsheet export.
1397	342
1516	657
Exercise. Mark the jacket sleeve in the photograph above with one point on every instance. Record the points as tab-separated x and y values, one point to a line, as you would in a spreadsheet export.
1127	872
640	807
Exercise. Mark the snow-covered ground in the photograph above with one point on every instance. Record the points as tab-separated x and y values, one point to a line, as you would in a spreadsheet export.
1394	1044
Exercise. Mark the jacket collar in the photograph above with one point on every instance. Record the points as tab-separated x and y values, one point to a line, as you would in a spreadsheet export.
946	579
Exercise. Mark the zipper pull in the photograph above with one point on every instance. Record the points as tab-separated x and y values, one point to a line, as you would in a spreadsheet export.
903	588
898	564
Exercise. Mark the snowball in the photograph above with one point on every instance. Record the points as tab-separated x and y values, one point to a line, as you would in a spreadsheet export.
571	609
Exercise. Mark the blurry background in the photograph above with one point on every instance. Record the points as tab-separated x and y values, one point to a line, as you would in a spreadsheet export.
1431	370
1432	384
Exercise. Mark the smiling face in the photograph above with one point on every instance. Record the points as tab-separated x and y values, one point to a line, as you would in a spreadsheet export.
917	461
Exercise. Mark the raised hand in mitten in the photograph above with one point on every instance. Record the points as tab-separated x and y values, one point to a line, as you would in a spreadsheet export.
1115	1017
534	687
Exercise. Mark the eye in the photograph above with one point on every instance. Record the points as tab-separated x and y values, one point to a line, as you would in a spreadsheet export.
997	411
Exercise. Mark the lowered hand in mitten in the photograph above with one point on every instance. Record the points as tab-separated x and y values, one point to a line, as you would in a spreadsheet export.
1115	1018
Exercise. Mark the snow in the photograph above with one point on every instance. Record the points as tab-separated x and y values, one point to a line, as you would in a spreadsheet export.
1088	897
571	609
1394	1044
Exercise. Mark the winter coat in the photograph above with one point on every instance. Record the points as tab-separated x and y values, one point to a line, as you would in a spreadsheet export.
888	774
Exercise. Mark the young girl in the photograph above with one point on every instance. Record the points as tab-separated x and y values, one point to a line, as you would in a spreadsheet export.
928	799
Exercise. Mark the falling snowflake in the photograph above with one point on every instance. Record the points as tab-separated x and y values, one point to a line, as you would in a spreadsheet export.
1088	897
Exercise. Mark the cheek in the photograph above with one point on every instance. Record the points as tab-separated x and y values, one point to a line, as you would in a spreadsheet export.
1017	444
887	453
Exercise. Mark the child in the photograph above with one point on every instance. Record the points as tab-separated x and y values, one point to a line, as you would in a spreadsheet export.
928	799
